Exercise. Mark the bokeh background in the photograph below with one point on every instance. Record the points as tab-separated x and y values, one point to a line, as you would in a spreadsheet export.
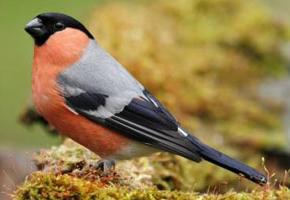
16	56
222	67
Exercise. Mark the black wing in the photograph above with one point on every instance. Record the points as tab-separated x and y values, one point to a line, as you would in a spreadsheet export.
150	113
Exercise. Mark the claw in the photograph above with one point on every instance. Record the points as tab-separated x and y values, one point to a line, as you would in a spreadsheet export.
106	165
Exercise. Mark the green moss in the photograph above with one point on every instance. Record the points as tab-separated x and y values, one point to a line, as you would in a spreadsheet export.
47	186
161	170
70	172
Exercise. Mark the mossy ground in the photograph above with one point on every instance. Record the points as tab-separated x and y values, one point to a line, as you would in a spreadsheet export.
42	186
70	172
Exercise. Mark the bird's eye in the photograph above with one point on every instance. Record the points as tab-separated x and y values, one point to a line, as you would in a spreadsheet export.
59	26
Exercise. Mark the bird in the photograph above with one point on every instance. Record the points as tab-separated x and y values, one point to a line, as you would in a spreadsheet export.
88	96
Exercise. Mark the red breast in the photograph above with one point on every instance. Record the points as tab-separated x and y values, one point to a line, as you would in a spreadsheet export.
60	51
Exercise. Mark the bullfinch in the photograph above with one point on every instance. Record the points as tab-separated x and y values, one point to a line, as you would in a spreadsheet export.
87	95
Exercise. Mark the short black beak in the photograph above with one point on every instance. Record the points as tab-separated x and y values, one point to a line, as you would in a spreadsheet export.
35	28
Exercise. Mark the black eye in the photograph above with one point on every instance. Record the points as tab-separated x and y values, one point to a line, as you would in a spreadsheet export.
59	26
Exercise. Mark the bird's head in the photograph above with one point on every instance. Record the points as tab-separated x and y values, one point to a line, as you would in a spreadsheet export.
45	25
59	39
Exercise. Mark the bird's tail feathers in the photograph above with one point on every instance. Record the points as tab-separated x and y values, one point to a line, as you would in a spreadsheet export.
222	160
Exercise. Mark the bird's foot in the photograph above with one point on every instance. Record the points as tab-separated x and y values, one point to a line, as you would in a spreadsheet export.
105	166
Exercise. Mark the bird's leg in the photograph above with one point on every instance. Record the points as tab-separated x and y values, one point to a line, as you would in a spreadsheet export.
106	165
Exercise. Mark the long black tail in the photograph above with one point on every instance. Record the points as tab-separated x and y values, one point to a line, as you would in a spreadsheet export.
226	162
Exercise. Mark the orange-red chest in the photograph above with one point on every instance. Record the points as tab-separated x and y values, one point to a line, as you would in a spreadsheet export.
50	60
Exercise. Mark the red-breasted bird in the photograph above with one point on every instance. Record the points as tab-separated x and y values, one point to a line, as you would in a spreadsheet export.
87	95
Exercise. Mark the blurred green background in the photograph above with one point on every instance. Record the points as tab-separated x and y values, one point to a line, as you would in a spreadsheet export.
16	58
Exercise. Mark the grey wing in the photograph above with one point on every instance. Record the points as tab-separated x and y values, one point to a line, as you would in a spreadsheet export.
97	72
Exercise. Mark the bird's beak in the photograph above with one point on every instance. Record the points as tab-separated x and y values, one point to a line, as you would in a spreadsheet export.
35	28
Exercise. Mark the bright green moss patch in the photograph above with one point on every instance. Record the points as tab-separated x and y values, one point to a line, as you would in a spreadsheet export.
48	186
